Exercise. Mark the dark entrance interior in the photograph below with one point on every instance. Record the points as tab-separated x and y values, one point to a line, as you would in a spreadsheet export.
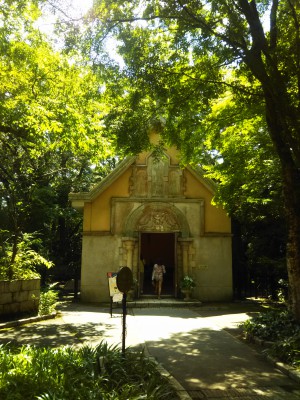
155	246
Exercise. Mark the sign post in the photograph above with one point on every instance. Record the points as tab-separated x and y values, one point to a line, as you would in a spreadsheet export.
124	282
114	292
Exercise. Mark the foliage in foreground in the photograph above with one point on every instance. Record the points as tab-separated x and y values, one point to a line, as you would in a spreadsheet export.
68	373
279	327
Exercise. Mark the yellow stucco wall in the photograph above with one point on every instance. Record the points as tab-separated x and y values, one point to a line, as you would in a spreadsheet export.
97	213
216	219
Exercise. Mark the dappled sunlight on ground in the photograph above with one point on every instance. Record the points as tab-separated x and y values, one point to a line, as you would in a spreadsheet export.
215	359
194	345
53	334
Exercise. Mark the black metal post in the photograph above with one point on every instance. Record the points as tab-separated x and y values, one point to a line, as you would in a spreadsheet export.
124	323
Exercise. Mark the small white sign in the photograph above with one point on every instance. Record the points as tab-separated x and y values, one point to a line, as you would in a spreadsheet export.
118	297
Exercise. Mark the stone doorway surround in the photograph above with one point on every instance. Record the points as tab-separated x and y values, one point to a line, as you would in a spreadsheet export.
157	217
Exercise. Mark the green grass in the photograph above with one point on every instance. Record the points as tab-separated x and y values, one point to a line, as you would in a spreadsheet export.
65	373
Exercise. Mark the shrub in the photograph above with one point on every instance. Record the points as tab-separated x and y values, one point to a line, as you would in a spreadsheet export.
271	325
48	302
279	327
20	260
288	350
68	373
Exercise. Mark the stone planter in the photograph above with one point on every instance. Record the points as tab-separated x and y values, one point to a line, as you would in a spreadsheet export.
130	295
187	294
19	297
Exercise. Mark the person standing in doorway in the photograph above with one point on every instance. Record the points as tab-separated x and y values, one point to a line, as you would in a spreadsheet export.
157	276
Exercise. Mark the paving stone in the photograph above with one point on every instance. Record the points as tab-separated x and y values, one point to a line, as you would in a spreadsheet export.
194	347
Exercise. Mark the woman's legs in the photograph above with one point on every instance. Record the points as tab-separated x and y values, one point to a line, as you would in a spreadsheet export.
156	287
159	287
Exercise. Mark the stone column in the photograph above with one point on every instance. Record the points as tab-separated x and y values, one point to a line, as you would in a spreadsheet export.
185	244
129	244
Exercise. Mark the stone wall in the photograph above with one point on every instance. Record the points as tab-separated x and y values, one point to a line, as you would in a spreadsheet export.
19	297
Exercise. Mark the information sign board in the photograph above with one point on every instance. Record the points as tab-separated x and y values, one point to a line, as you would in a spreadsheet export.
114	292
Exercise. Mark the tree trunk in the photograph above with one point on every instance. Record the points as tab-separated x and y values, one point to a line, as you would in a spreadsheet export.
291	187
279	123
13	256
264	60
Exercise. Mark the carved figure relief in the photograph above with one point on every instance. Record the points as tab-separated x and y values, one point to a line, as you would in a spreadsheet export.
156	179
141	183
158	176
175	182
158	219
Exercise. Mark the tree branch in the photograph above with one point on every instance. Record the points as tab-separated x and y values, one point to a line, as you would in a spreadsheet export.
273	25
297	27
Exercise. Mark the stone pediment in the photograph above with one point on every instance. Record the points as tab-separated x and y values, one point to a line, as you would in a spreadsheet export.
156	178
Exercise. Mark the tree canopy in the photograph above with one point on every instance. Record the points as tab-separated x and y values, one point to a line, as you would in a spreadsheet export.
51	130
219	79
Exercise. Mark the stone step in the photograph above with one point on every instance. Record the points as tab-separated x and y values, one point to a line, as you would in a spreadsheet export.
164	301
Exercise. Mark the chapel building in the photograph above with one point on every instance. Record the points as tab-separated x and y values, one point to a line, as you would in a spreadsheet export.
148	209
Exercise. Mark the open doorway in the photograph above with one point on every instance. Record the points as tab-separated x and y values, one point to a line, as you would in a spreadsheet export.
152	247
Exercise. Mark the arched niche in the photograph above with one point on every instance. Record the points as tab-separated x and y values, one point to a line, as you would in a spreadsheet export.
156	217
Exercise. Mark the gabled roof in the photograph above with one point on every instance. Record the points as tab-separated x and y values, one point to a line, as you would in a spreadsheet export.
199	174
78	199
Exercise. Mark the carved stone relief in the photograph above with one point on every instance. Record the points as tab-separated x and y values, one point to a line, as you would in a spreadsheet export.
156	219
156	179
158	176
175	182
139	182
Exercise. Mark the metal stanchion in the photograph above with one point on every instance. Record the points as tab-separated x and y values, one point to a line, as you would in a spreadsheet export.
124	284
124	307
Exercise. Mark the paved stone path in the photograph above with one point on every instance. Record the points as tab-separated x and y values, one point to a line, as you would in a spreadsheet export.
192	344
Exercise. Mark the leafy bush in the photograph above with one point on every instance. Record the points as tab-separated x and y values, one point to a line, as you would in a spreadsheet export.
48	302
187	283
271	325
283	290
288	350
19	260
279	327
68	373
